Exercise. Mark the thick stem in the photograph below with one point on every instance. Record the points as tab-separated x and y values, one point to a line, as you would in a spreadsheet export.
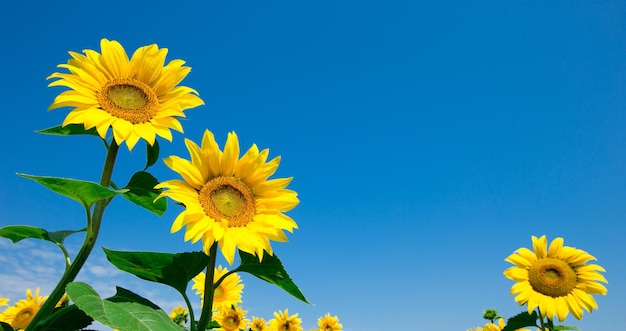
93	227
209	290
543	328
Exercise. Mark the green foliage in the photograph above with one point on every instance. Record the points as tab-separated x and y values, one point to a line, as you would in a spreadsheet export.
175	270
68	318
5	327
84	192
19	232
152	154
564	327
520	321
127	312
270	270
68	130
140	191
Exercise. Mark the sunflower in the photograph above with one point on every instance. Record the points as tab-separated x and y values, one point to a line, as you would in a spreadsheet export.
4	302
138	98
328	323
555	279
228	199
258	324
282	322
179	315
231	318
20	314
228	293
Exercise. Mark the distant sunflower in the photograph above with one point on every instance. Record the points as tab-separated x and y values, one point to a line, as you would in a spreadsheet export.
328	323
258	324
282	321
179	315
20	314
230	199
138	98
4	302
228	293
231	318
555	279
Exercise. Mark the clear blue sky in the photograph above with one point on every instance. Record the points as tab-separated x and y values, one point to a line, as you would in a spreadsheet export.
427	142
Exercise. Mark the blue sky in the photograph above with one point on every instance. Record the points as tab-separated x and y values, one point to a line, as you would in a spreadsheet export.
427	142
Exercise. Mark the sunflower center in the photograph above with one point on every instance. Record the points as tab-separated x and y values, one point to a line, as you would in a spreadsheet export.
226	198
23	318
128	99
218	293
231	322
552	277
286	326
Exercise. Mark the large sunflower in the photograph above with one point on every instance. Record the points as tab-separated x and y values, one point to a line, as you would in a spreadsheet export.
228	293
231	318
138	98
329	323
282	321
20	314
230	199
555	279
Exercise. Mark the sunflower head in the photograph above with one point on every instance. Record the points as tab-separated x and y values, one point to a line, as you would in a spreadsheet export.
258	324
20	314
283	322
231	318
556	279
229	291
139	98
229	199
179	315
329	323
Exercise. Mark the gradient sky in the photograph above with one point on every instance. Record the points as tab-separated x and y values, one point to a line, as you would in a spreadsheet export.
427	142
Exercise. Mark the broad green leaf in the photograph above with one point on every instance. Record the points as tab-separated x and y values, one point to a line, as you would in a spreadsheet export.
564	327
175	270
84	192
5	327
121	315
270	270
521	321
68	318
152	154
70	129
19	232
140	191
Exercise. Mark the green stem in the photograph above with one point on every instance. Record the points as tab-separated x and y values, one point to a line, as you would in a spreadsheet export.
209	290
192	319
543	328
93	228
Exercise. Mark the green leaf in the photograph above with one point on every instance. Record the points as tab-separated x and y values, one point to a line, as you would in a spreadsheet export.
270	270
19	232
68	318
5	327
520	321
121	315
152	154
68	130
565	327
84	192
175	270
140	191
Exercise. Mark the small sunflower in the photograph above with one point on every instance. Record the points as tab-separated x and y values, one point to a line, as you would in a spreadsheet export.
555	279
20	314
231	318
179	315
228	293
139	98
329	323
283	322
258	324
228	199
